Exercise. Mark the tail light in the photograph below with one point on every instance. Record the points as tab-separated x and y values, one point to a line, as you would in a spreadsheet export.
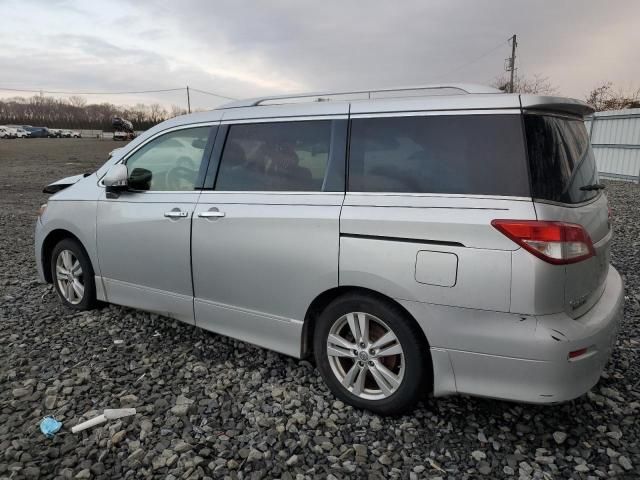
558	243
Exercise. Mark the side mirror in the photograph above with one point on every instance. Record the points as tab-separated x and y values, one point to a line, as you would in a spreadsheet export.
116	179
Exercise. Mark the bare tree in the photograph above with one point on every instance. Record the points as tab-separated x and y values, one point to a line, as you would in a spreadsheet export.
157	112
537	84
176	111
40	110
606	97
77	101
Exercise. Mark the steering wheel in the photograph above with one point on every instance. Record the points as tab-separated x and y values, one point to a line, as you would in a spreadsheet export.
184	171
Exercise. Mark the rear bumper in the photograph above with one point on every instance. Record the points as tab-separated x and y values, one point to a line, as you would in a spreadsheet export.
550	377
527	358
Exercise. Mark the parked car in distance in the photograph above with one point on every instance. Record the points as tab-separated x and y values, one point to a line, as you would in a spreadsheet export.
55	133
22	133
37	132
70	134
8	132
454	241
123	129
120	135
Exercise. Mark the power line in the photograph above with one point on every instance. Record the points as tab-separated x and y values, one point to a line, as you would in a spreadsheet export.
471	62
60	92
65	92
213	94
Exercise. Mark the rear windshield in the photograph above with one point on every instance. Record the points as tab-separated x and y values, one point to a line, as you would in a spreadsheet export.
448	154
560	158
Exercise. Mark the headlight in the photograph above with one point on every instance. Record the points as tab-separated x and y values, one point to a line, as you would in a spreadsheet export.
42	209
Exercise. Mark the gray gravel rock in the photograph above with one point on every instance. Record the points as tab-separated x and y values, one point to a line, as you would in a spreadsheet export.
625	463
478	455
246	413
118	437
21	392
559	437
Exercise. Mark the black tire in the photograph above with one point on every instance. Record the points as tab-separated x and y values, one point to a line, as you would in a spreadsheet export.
416	380
88	300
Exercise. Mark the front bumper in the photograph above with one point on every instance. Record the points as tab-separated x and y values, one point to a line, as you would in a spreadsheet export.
549	375
38	241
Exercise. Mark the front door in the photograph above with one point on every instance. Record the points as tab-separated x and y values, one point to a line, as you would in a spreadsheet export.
266	238
143	235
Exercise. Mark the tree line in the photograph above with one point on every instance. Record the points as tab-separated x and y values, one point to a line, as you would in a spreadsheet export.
75	113
603	97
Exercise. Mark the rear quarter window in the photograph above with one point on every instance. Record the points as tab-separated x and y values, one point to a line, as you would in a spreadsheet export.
560	159
448	154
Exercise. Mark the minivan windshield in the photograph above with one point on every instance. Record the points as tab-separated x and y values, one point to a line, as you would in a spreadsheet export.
561	160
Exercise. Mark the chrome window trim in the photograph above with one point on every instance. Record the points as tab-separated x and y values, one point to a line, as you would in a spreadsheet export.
441	195
283	119
430	113
270	192
150	139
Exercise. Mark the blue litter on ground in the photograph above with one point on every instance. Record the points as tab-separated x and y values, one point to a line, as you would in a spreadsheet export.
50	426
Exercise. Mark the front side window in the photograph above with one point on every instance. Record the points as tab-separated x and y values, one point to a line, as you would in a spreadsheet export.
170	162
448	154
560	158
279	156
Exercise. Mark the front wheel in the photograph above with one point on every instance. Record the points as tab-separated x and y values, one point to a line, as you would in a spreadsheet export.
371	354
72	275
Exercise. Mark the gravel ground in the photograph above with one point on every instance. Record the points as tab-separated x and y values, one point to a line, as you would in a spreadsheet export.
213	407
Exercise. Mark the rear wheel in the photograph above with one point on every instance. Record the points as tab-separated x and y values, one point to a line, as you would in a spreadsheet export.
371	355
72	275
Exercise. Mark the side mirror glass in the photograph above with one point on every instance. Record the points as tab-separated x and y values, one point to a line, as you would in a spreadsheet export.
116	178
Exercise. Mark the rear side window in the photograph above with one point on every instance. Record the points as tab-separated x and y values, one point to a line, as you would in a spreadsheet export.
450	154
561	159
279	156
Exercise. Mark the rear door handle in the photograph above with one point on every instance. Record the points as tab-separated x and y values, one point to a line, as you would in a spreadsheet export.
211	213
176	214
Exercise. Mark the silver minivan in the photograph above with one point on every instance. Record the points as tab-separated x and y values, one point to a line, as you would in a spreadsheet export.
444	239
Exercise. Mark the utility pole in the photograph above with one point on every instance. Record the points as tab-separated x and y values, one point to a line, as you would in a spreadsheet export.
512	61
189	100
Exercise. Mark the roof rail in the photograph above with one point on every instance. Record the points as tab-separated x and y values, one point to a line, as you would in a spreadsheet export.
461	88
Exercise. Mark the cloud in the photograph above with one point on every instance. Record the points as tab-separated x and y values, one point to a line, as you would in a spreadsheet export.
241	48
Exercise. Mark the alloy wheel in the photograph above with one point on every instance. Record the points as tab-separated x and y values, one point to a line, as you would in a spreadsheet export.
365	355
69	277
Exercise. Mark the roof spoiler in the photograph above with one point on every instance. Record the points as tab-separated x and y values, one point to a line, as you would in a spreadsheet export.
556	104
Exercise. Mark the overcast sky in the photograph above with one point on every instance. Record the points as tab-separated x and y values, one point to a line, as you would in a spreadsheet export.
243	49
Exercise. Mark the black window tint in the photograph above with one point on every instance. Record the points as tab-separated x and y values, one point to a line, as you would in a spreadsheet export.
560	158
458	154
279	156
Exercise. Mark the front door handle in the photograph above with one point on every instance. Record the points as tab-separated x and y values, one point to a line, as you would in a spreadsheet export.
176	214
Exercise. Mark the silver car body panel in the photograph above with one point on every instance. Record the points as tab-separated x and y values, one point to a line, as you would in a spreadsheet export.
268	247
522	358
499	320
147	267
394	229
584	281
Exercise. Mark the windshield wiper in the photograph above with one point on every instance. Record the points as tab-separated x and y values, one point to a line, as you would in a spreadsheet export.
593	186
